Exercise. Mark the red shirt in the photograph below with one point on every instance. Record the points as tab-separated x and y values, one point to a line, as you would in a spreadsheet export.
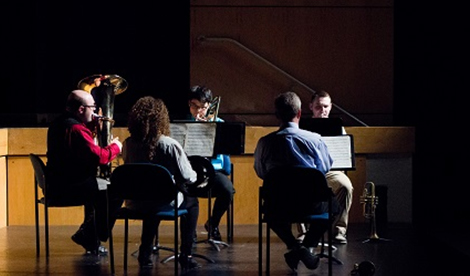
72	154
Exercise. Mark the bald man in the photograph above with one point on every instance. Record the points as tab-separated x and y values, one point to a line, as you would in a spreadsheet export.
73	158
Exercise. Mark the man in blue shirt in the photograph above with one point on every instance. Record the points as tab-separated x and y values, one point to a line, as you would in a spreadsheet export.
293	146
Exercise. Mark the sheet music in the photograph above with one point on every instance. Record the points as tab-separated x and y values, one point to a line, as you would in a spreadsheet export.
341	150
195	138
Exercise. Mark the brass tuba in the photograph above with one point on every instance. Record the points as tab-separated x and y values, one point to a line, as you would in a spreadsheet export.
103	88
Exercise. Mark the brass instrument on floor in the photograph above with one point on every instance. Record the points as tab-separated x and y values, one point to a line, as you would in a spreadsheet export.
103	89
370	201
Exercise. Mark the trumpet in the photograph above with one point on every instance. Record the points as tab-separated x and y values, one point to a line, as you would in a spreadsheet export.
370	201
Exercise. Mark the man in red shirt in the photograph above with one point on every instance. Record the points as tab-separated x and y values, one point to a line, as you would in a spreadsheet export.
73	158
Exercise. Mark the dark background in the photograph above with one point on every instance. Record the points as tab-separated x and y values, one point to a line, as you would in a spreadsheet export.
47	48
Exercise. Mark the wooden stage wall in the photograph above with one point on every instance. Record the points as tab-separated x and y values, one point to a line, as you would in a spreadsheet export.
17	176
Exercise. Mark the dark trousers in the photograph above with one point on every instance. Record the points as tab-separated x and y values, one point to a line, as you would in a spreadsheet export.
95	221
187	228
312	237
222	190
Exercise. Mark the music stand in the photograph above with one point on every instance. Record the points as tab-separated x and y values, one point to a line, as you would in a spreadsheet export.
219	138
323	126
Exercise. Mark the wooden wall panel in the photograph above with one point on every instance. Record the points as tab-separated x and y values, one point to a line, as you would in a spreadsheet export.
19	181
3	192
252	53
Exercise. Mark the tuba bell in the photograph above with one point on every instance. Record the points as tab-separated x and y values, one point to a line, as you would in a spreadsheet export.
118	83
103	88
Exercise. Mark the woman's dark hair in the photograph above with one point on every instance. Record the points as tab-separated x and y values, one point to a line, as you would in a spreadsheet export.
148	120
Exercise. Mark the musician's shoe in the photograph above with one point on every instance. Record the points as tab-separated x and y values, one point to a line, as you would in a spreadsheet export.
187	262
145	261
310	260
292	259
340	239
303	254
144	257
91	246
214	233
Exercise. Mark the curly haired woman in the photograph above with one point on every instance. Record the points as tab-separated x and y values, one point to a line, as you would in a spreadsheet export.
149	141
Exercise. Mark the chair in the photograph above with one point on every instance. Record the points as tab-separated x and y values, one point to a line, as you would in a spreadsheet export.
143	181
40	182
298	189
204	166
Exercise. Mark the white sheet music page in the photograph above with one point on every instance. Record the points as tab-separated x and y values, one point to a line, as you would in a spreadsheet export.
195	138
340	148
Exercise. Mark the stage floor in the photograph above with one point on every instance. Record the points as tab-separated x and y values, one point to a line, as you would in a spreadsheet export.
406	254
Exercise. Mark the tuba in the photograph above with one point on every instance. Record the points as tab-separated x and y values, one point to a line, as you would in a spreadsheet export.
103	88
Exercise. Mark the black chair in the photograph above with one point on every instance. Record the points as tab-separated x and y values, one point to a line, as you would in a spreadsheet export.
40	183
144	181
290	194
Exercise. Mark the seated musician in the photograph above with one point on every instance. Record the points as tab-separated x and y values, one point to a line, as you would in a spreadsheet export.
320	105
199	99
149	141
73	158
293	146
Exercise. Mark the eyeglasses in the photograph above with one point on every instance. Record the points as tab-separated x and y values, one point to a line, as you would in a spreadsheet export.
90	106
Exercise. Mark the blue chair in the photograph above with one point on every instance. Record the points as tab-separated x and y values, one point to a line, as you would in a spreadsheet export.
143	181
291	194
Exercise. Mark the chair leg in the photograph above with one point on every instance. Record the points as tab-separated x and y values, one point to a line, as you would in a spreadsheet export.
46	225
110	238
230	213
111	253
268	248
126	240
38	246
260	243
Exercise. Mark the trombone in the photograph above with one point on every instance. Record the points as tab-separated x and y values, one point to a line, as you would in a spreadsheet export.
213	110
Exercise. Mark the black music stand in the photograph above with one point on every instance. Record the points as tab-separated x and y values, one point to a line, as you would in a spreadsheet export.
229	139
323	126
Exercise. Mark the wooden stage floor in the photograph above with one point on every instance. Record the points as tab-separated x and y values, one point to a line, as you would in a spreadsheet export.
408	253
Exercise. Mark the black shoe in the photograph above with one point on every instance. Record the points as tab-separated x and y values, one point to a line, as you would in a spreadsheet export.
91	246
214	232
187	262
310	261
144	259
145	262
292	259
